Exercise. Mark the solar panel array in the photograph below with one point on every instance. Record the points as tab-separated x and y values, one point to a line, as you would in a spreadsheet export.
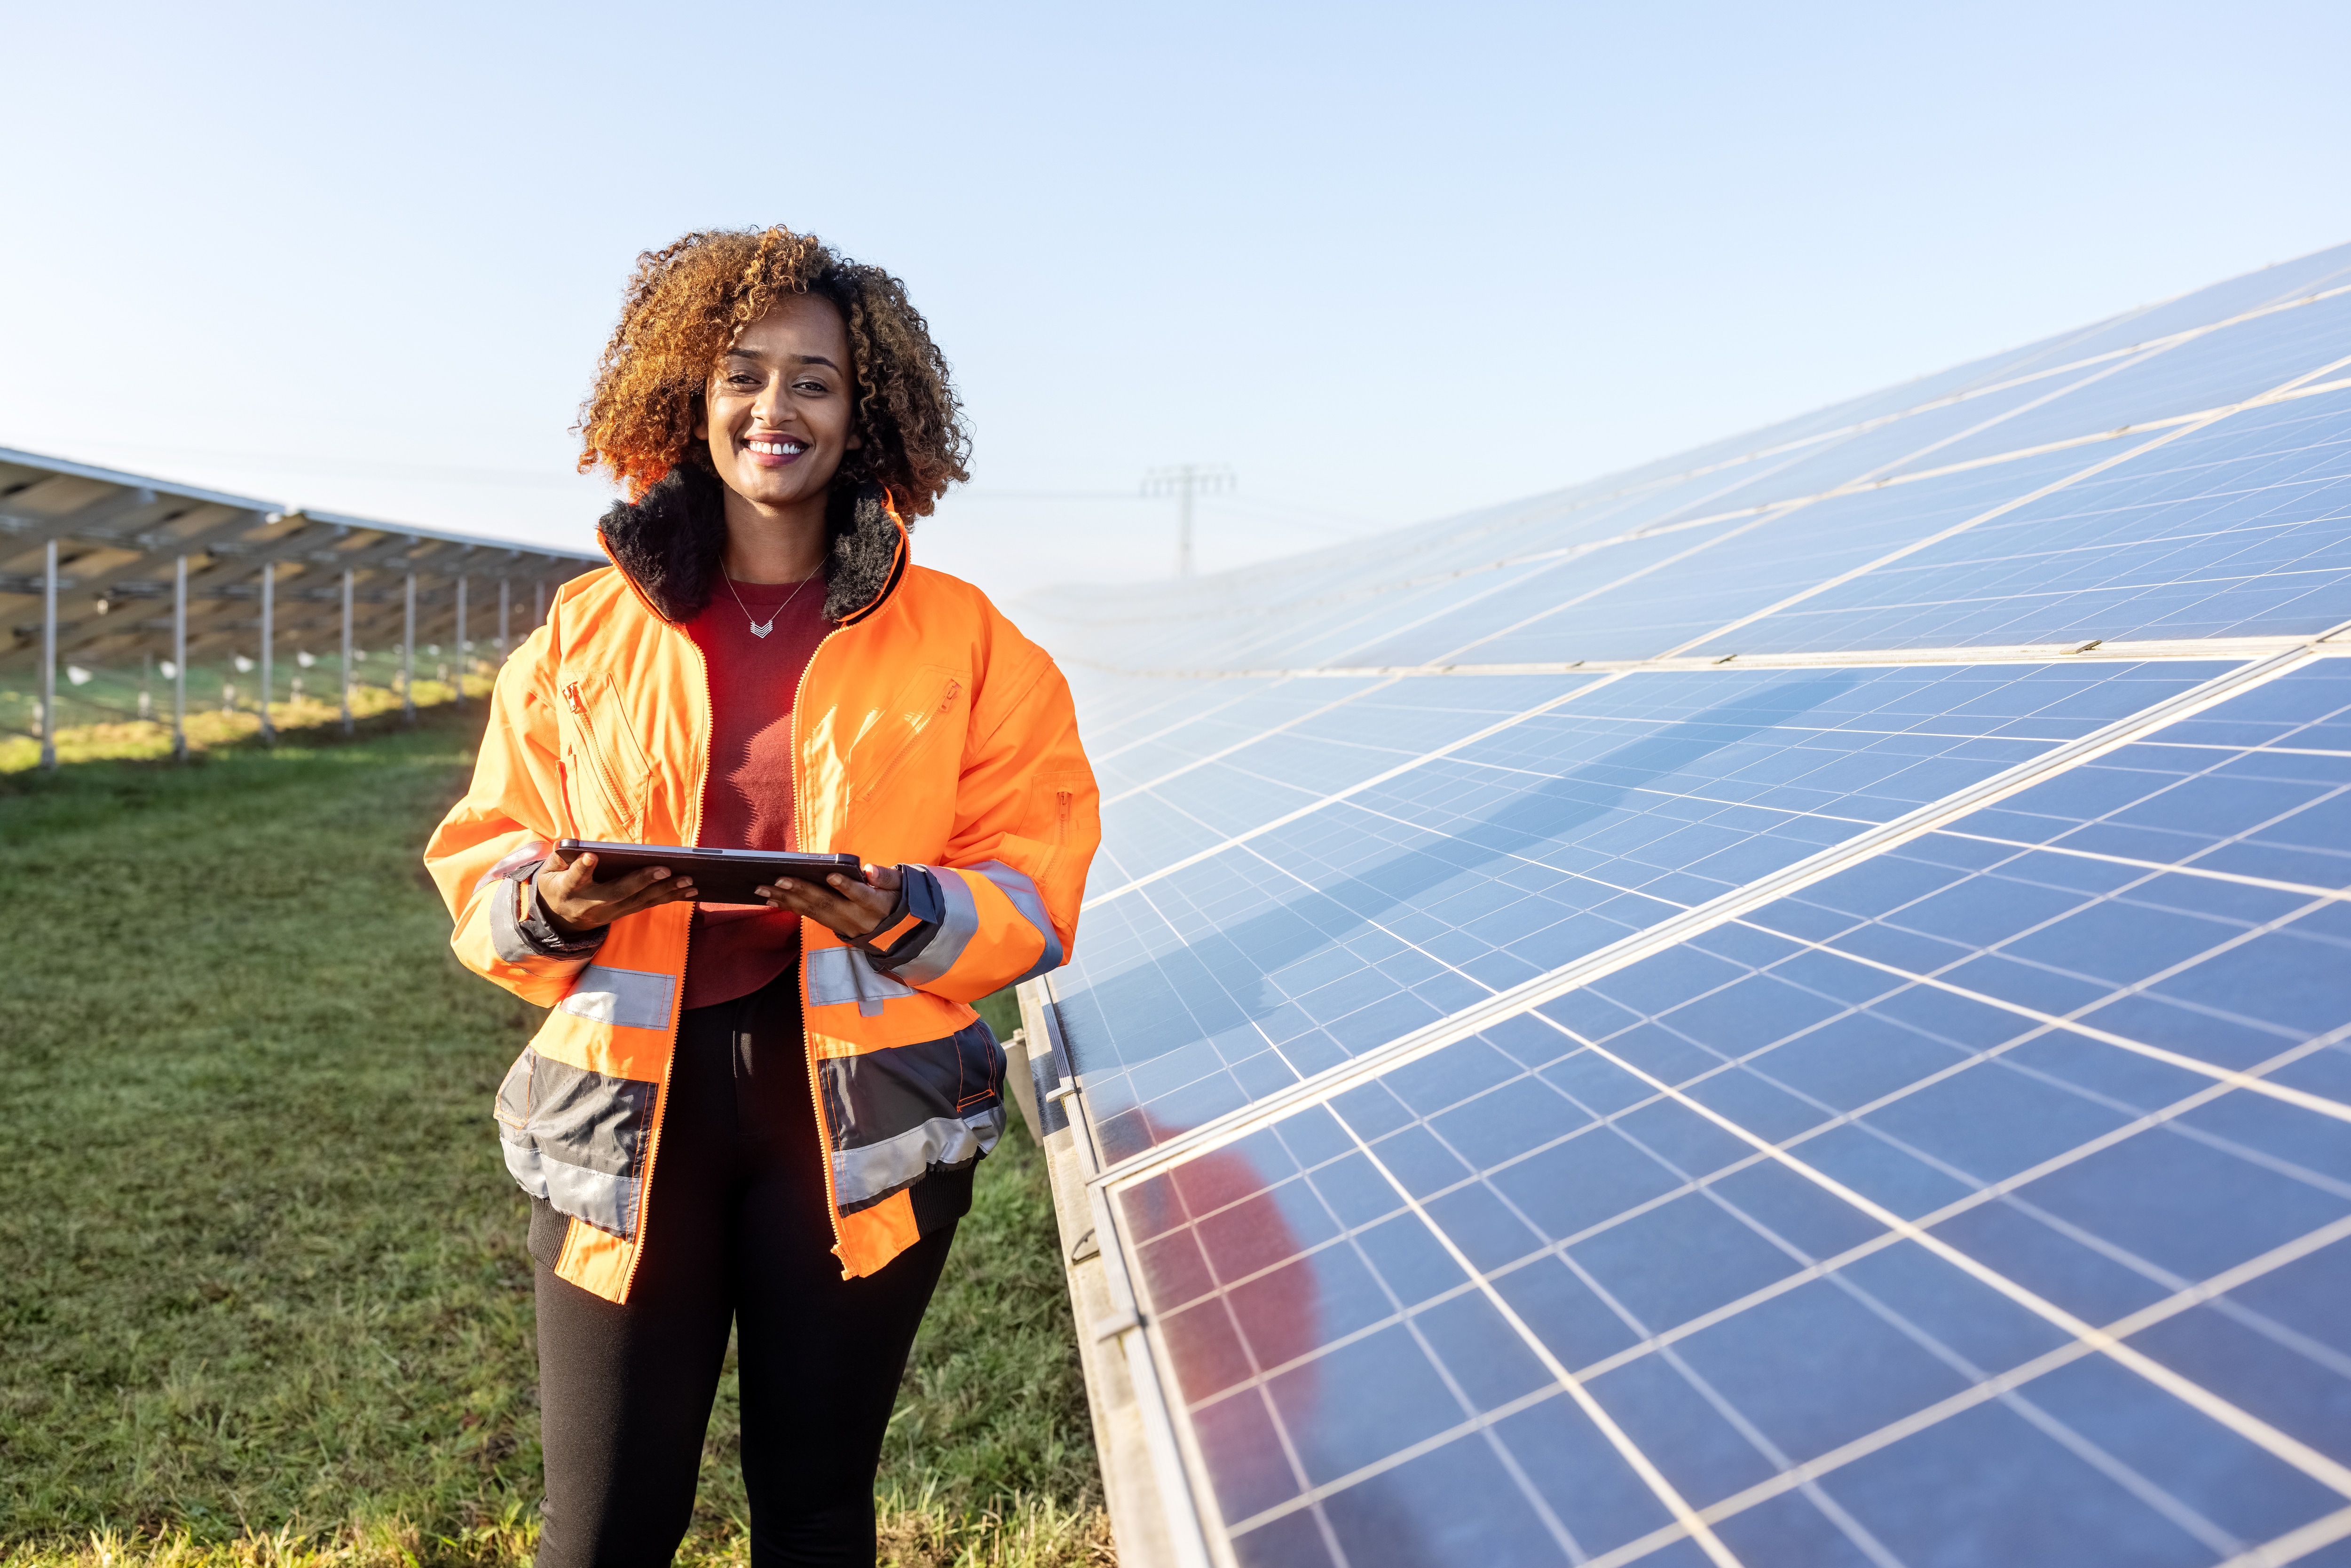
1792	1006
100	570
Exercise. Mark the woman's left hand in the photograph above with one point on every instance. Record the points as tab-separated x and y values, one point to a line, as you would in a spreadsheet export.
851	910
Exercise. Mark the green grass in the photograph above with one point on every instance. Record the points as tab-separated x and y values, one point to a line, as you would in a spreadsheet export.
266	1298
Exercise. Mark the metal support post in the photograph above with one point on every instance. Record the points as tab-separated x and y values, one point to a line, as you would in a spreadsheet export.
461	642
502	620
347	650
538	604
49	657
408	652
268	646
180	660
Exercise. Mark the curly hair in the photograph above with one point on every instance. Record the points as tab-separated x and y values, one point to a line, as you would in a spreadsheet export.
685	305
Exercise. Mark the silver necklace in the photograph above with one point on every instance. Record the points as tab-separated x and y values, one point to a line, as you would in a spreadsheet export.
761	628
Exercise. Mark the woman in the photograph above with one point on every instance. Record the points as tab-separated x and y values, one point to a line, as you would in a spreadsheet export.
779	1133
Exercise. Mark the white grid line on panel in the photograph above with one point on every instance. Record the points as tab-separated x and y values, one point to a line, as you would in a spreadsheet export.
1245	743
2274	394
1545	560
1618	1439
1868	479
1984	1192
2071	1023
1991	1388
2282	1445
1179	723
2153	1496
1761	512
2173	651
2264	750
1675	929
1834	1120
2093	650
1765	511
2295	1545
1356	789
2182	1295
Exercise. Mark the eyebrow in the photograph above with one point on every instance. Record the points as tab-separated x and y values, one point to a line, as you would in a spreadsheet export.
797	358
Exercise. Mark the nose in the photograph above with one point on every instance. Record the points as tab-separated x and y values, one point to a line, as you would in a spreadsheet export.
771	403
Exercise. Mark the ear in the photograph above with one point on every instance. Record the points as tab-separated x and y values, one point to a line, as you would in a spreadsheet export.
855	441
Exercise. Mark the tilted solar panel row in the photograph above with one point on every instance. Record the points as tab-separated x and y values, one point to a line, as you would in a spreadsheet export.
1789	1007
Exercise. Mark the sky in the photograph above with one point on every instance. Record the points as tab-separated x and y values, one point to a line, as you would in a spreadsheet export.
1384	263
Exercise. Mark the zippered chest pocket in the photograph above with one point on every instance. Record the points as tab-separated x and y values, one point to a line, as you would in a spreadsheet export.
604	765
925	709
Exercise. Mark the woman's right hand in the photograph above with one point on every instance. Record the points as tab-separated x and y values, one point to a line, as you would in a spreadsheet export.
573	901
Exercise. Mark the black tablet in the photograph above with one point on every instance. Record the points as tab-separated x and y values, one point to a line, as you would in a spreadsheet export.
720	876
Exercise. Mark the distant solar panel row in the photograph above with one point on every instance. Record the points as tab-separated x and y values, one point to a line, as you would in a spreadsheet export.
1601	1050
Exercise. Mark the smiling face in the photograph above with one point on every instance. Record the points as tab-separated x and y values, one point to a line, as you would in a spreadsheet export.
776	411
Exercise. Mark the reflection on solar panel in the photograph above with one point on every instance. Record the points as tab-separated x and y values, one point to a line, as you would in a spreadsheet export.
1790	1006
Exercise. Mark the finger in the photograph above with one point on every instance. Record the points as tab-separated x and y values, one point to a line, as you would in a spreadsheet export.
580	871
670	891
884	877
635	882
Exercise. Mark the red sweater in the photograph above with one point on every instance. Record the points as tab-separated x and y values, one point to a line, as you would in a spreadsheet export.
746	802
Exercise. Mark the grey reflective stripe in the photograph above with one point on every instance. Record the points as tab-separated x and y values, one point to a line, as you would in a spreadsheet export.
631	998
606	1201
863	1175
958	926
575	1137
837	975
1031	904
506	939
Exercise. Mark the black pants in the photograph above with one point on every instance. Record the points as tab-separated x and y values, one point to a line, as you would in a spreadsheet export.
736	1230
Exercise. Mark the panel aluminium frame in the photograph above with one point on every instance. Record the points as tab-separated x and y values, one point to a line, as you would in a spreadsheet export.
1146	1484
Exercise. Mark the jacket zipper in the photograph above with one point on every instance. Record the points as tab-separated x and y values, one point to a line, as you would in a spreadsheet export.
595	750
677	1013
808	1047
832	1201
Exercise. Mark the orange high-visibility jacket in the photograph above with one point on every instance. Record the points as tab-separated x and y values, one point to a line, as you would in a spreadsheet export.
927	731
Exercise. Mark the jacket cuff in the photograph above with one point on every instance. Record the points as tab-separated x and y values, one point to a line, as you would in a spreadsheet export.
520	929
911	924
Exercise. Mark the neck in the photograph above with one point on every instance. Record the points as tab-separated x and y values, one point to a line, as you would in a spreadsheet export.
774	544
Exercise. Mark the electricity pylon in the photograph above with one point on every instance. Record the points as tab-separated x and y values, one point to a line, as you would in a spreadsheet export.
1184	481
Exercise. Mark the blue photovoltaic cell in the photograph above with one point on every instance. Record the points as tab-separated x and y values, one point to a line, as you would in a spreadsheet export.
1773	1198
1197	993
2240	529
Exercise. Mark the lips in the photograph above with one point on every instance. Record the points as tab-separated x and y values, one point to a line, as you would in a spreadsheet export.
774	451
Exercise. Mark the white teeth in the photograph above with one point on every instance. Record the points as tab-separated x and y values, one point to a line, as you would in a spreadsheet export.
776	448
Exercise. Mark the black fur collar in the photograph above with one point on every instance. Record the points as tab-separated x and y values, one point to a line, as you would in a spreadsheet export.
670	542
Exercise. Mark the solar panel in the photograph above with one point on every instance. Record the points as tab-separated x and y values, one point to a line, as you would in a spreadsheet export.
1792	1006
